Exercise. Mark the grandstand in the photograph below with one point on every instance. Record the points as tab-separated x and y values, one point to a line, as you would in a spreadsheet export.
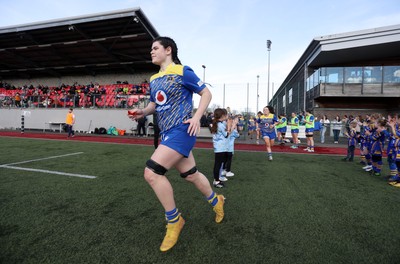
98	62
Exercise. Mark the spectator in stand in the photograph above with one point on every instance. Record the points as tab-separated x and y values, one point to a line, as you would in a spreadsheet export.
139	89
103	90
96	94
325	125
25	102
17	100
336	128
125	89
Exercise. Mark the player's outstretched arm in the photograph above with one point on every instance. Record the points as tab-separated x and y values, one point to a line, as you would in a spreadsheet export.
137	113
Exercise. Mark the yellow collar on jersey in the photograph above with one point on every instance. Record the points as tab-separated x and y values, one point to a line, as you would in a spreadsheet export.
172	69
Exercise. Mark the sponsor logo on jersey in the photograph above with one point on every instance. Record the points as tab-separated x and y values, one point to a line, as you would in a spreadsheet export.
161	97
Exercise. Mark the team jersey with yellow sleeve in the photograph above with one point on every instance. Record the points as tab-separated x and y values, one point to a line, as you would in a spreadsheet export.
172	92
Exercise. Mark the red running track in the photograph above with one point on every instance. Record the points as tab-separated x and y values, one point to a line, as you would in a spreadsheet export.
201	143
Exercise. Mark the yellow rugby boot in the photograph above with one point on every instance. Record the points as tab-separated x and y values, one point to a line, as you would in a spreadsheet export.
173	231
219	209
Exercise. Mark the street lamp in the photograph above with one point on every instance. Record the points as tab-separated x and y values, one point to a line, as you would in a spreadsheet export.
204	72
258	96
269	50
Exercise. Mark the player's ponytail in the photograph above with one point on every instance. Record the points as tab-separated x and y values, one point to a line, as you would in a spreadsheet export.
169	42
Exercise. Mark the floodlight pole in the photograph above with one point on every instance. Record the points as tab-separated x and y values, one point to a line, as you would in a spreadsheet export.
204	72
269	51
258	96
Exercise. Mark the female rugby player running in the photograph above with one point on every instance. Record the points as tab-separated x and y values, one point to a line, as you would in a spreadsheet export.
171	92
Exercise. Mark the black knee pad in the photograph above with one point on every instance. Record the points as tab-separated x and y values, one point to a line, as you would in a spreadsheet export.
189	172
155	167
310	135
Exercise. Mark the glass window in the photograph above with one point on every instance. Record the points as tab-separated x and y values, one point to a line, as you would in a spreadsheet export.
373	74
391	74
353	74
284	101
290	95
322	75
334	75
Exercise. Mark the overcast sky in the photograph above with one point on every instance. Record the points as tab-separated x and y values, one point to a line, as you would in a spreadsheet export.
229	36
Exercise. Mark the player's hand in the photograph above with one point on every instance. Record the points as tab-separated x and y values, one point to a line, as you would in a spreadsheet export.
194	126
135	113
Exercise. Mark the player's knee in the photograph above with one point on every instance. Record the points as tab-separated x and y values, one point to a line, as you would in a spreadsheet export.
189	172
153	169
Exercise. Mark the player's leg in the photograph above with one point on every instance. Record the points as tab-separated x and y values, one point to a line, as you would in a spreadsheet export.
188	170
160	162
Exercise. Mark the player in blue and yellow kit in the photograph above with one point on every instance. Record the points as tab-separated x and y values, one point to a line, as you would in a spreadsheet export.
377	141
393	149
266	124
171	92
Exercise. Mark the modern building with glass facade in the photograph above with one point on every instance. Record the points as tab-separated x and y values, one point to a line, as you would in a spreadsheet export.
350	73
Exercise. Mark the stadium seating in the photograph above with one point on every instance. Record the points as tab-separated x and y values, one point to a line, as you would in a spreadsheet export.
60	97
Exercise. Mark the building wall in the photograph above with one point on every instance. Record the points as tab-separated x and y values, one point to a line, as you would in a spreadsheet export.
86	120
297	99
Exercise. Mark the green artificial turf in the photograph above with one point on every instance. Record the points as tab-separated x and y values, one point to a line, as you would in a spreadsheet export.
295	209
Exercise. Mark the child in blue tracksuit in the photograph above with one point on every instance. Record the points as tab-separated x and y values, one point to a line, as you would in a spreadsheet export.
220	143
231	146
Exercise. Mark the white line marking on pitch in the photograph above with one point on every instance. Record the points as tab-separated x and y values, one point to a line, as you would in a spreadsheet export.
50	172
8	166
52	157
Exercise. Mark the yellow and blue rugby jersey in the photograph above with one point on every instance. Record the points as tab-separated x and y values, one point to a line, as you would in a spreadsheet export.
265	123
172	92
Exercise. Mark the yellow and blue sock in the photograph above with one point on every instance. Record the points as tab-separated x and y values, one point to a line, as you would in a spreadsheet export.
213	199
172	216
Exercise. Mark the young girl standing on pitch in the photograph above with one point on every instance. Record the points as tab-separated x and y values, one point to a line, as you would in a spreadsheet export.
171	92
267	123
233	135
220	142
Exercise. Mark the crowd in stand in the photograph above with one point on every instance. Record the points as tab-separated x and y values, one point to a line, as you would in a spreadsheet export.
76	95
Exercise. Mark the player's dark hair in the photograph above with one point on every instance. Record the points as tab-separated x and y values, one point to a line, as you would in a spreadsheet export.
270	109
169	42
218	113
